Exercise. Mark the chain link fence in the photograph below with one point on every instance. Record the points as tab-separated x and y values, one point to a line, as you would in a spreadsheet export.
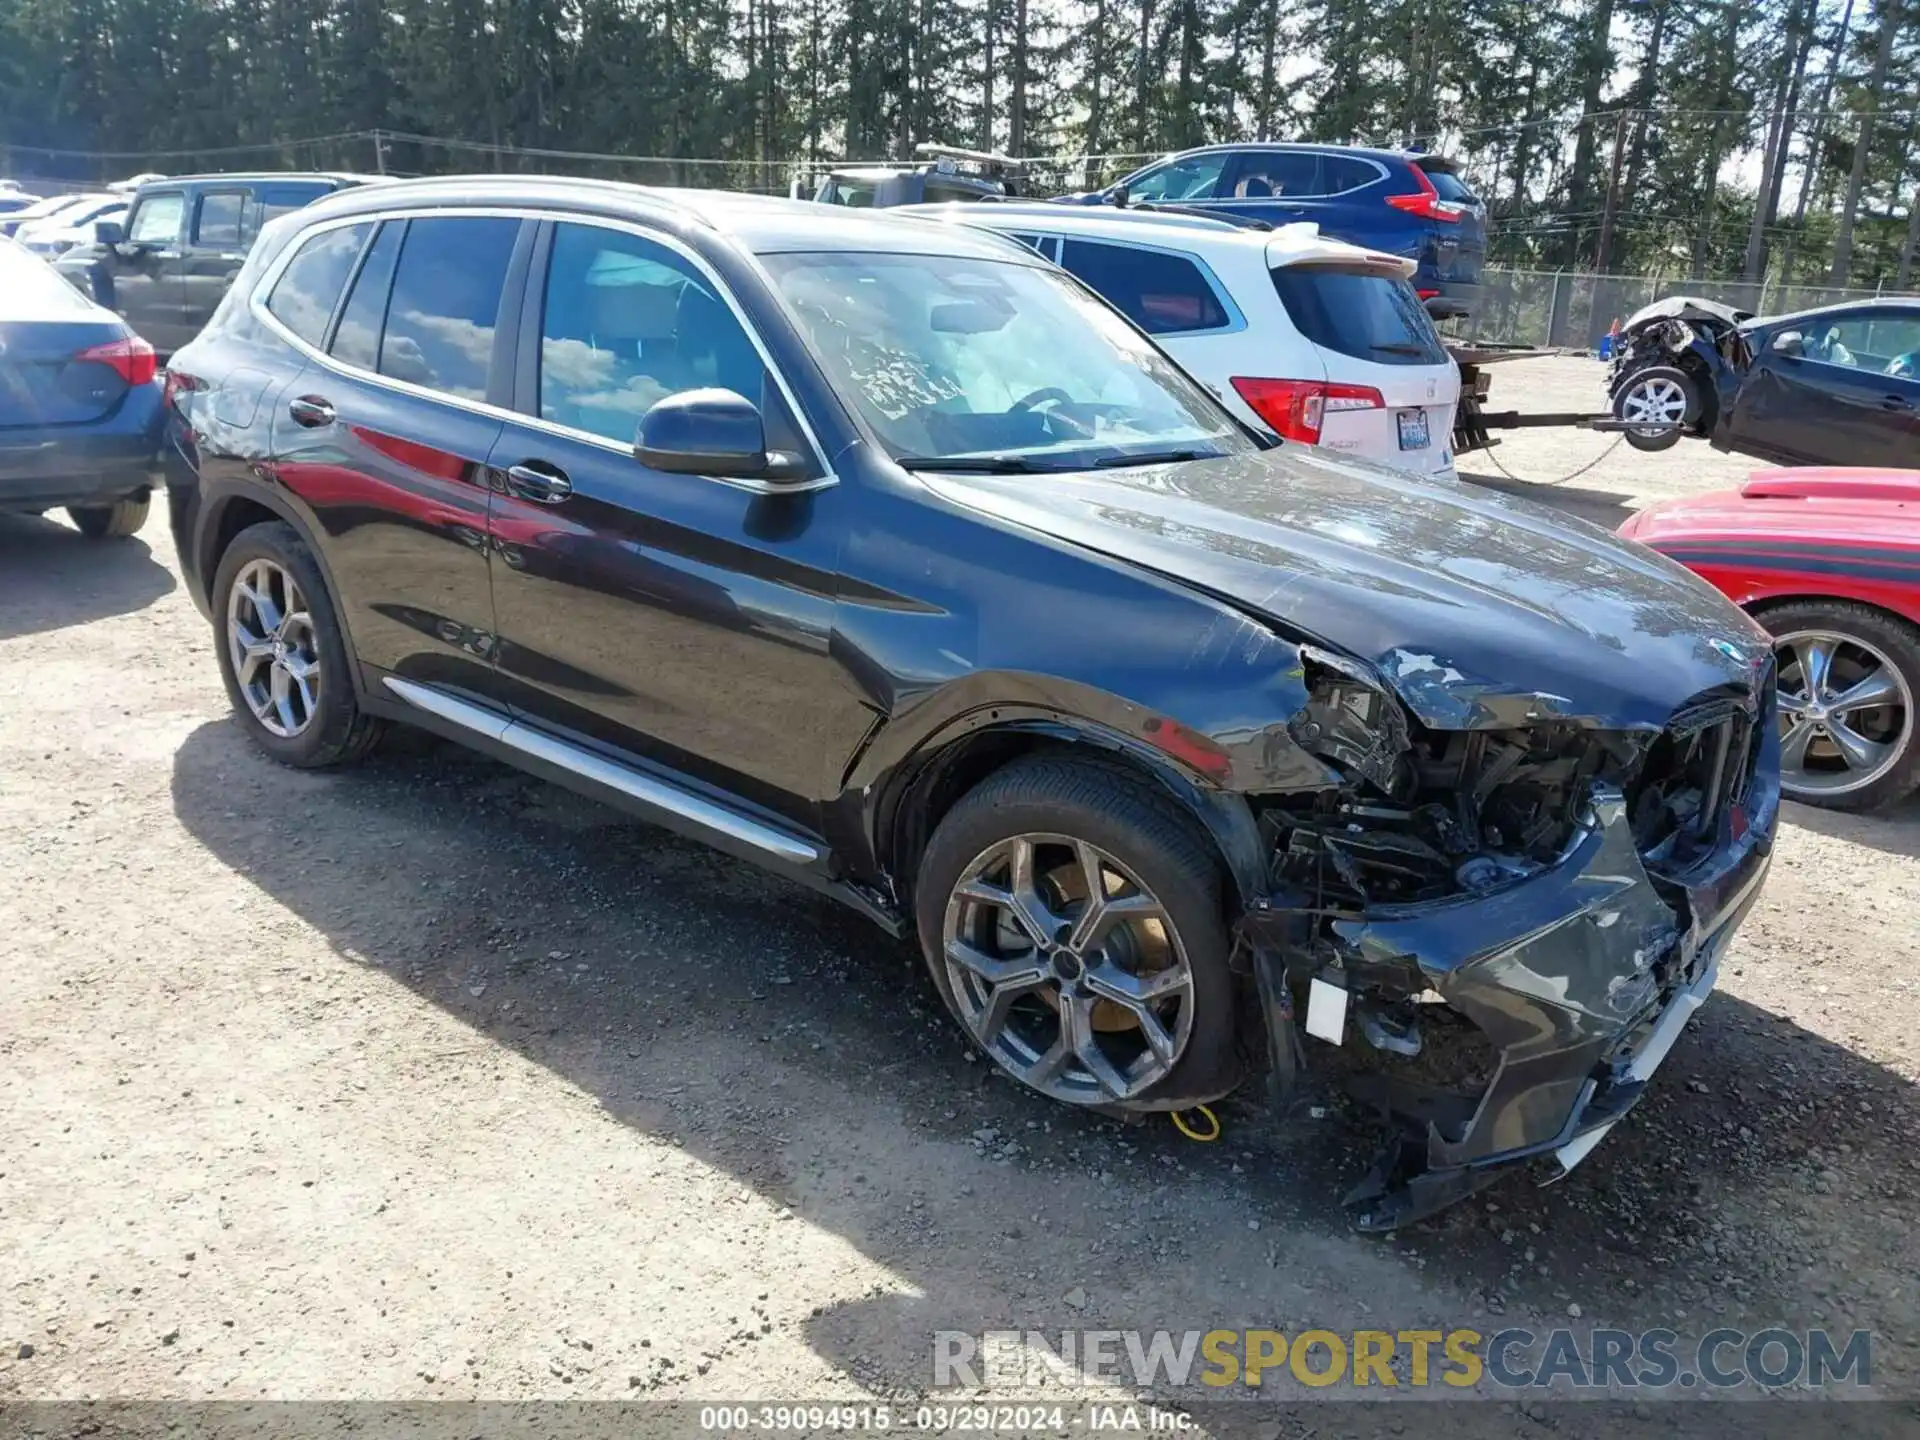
1575	308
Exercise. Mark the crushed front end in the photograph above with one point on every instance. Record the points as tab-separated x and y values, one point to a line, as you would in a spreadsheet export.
1495	934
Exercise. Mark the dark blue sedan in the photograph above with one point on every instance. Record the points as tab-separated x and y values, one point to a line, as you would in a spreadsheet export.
80	411
1404	203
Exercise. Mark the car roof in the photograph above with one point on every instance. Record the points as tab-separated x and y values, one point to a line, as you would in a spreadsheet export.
1106	222
1296	244
762	224
263	176
1318	147
1845	307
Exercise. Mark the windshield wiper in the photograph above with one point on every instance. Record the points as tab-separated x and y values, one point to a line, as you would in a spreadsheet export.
974	464
1155	457
1403	349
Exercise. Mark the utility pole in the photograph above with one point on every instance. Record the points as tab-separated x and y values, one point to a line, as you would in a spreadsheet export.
1612	206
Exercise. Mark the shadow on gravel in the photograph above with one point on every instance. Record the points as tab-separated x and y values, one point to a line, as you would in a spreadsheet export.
1896	829
774	1035
52	576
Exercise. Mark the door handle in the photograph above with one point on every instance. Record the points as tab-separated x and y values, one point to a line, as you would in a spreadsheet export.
311	411
538	481
1895	402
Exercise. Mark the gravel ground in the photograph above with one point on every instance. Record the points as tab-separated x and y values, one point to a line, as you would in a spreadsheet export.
427	1079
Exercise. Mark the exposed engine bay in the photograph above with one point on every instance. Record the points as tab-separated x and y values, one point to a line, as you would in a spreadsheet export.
1556	886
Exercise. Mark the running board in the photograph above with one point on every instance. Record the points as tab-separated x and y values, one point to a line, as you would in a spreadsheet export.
696	810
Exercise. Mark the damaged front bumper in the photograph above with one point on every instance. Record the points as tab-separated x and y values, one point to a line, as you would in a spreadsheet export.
1579	978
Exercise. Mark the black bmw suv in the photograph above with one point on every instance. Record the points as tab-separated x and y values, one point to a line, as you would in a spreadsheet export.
883	554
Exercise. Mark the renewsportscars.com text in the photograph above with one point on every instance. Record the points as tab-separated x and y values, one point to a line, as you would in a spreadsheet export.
1511	1359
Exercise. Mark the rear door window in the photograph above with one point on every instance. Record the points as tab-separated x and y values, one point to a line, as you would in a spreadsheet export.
1360	313
447	288
156	218
1277	175
272	201
1162	293
307	290
1196	177
356	340
216	220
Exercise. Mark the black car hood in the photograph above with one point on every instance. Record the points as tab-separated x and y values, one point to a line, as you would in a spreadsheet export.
1476	608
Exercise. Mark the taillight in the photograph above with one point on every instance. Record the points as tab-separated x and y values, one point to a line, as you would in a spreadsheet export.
130	357
1296	409
1426	202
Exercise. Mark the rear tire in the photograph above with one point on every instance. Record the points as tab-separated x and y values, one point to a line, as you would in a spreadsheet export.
111	522
1162	946
1660	391
320	722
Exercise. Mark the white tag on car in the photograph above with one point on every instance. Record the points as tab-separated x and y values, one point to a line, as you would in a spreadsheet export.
1326	1011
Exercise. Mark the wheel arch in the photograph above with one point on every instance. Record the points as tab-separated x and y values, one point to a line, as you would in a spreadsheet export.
930	781
225	514
1758	605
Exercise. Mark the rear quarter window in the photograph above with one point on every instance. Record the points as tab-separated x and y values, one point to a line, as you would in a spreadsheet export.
1341	173
307	290
1163	294
1359	313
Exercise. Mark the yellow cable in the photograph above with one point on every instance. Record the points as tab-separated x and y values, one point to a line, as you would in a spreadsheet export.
1179	1123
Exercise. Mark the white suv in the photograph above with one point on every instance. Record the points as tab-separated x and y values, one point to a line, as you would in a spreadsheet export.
1311	339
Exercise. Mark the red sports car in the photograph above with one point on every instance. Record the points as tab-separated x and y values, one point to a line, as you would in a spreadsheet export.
1829	562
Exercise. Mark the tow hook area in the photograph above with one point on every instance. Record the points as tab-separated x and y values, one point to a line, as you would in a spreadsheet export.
1488	1027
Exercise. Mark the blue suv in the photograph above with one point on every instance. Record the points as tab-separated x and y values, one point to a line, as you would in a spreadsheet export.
1406	204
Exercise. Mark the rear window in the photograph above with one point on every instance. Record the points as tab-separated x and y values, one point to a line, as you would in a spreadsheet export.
1449	186
304	296
1163	294
1360	313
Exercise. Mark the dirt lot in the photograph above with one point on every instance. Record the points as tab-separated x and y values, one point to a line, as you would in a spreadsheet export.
427	1079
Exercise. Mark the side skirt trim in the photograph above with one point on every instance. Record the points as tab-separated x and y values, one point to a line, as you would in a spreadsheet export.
658	794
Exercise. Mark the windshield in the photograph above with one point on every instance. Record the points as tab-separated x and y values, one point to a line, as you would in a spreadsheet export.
954	358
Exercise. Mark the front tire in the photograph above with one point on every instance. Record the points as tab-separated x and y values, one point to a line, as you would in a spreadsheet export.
1849	676
111	522
282	654
1124	1000
1663	393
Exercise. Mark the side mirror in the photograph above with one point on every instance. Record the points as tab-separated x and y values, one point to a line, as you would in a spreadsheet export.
711	432
1119	195
108	232
1789	342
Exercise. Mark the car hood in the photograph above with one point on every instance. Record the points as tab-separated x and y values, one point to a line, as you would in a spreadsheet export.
1476	608
1686	307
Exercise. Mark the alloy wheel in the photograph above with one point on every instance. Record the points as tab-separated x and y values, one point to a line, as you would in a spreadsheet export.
1066	969
274	649
1655	401
1846	713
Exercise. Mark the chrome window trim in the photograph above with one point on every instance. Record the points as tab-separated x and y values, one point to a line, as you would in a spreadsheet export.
263	287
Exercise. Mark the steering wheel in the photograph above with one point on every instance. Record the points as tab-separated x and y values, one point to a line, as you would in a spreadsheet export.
1041	396
1905	367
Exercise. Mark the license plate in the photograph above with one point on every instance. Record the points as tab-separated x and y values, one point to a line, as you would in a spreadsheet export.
1413	430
